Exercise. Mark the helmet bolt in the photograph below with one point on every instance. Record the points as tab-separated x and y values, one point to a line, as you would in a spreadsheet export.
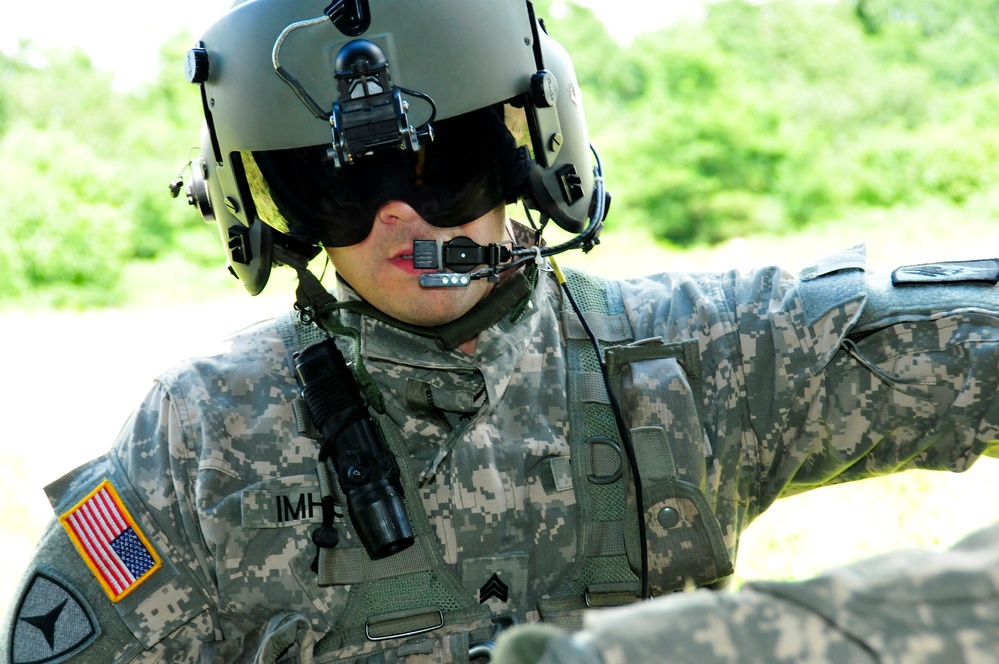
544	89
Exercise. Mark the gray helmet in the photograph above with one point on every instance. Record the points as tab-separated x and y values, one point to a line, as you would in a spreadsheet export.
314	113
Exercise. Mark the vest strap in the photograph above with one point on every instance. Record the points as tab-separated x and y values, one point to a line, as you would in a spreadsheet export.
403	624
350	565
601	576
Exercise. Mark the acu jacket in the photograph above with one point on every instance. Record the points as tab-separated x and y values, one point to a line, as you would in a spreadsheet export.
192	539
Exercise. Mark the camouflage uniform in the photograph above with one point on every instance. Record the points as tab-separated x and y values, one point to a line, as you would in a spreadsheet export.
737	390
906	606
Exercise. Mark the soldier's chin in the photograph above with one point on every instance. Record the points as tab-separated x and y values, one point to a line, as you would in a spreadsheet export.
423	307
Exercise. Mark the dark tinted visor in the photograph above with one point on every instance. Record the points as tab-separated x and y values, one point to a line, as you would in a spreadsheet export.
472	165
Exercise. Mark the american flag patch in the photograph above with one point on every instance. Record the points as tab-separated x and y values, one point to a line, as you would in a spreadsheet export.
110	541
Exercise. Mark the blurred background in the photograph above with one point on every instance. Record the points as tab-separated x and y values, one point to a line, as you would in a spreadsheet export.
733	134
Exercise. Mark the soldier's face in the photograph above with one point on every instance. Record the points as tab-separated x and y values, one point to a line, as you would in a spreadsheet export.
381	268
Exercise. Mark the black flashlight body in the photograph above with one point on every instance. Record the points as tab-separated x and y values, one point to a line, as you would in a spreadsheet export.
366	469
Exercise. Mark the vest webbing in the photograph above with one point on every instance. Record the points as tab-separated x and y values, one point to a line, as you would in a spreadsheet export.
407	592
601	575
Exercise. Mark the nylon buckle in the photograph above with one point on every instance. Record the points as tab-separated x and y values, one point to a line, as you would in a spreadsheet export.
409	621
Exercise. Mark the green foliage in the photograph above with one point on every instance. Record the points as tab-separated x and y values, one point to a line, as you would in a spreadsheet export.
61	230
762	118
765	117
84	170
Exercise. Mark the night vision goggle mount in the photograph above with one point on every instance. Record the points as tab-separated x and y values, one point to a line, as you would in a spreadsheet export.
370	113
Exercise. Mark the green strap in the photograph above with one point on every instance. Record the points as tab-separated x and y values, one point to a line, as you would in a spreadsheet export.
407	593
602	570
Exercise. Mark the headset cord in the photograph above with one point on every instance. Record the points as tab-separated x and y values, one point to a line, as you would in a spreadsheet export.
622	429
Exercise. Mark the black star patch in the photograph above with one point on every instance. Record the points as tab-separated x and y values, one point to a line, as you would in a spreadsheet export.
494	588
52	622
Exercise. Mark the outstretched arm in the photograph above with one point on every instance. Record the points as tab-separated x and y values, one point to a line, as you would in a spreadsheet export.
909	605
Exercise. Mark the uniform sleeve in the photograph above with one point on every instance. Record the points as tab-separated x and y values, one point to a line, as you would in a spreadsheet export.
904	606
831	375
841	387
119	574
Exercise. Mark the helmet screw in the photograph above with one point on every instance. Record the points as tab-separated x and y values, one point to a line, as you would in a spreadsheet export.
232	205
555	142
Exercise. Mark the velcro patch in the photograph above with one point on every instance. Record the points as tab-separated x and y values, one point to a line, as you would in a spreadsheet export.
52	622
110	541
953	272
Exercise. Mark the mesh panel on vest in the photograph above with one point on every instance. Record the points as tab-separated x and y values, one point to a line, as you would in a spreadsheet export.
309	334
607	501
590	362
602	569
409	591
588	290
607	569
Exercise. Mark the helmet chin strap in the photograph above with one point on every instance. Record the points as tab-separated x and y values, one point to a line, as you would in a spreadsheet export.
311	297
506	299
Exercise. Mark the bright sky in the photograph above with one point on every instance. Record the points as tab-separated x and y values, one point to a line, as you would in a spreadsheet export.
119	35
125	35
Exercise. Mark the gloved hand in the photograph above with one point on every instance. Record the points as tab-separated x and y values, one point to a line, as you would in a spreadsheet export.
541	644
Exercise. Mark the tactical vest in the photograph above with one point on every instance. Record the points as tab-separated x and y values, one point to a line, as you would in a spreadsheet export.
410	607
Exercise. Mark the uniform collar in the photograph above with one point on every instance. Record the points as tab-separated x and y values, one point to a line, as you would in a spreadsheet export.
497	351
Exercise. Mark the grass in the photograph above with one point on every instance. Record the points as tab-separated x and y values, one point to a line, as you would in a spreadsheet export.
174	311
802	535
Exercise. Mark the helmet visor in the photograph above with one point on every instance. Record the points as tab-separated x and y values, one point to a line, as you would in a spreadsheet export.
472	165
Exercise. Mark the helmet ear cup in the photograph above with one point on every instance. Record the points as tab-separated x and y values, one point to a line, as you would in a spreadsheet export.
562	184
248	246
197	189
250	252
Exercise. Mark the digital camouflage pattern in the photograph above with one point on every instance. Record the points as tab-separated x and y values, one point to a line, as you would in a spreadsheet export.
906	606
737	389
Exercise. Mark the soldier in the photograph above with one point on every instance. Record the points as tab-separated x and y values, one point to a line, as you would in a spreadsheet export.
460	437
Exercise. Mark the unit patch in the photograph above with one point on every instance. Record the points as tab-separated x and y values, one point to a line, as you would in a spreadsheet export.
51	623
110	541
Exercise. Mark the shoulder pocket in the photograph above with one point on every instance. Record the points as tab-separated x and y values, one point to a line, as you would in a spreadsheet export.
142	574
657	386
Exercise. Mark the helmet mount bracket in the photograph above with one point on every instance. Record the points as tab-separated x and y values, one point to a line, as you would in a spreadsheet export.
351	17
370	113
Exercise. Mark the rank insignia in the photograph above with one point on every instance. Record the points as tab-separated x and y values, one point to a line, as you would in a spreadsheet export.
110	541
